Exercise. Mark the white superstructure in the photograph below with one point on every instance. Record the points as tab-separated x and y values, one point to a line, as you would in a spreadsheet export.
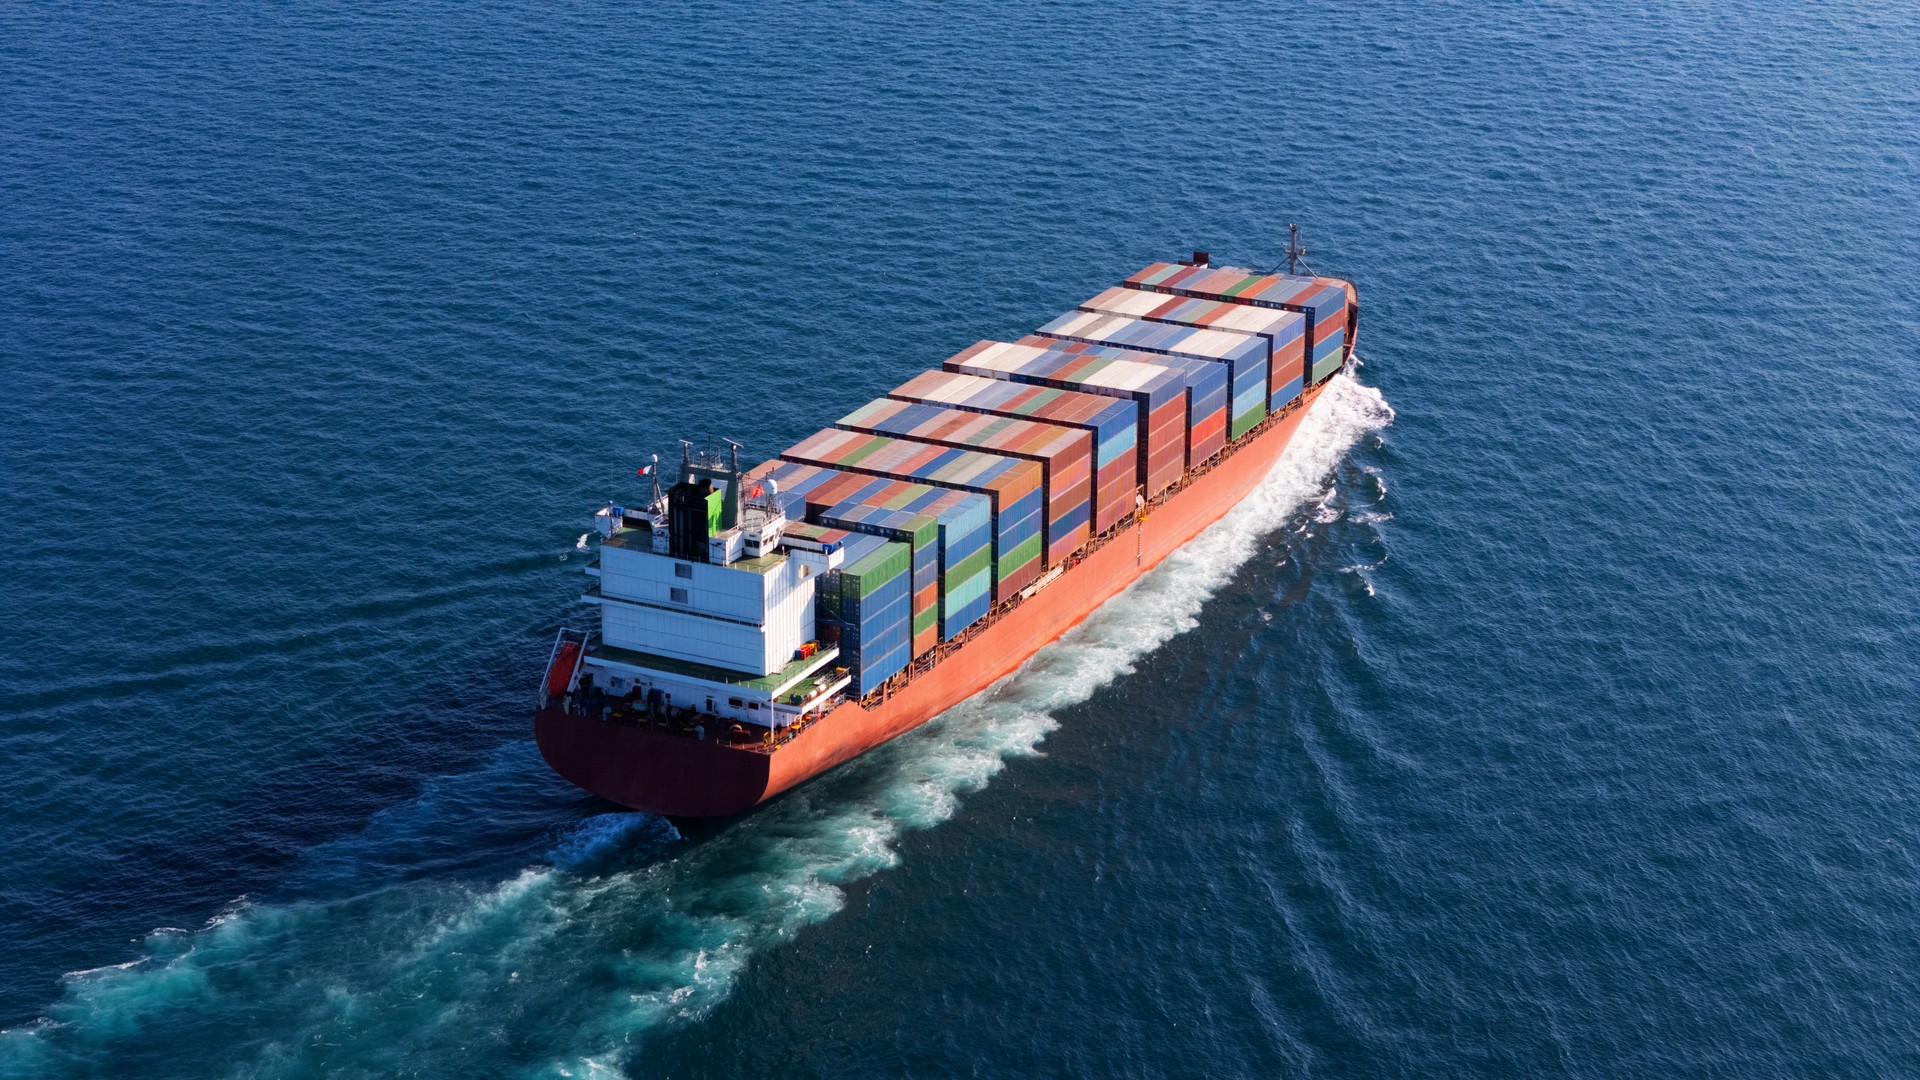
750	615
704	606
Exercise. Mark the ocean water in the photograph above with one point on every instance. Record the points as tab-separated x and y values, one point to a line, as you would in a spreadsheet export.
1550	711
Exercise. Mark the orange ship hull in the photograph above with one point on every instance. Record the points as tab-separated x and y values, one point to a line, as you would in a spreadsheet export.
678	777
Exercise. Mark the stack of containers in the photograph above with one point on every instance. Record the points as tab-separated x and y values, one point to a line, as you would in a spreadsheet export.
1207	399
949	532
871	509
1012	484
965	521
1064	454
1112	424
1324	301
1285	332
1244	354
1161	396
867	601
791	484
966	559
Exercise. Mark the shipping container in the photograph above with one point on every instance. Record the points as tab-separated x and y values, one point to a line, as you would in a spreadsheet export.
1064	454
1245	355
1112	422
966	559
1325	302
811	537
949	533
965	566
879	506
790	484
1012	484
1159	390
867	606
1284	332
1206	395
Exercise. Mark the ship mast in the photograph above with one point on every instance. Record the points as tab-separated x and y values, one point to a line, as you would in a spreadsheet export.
1296	252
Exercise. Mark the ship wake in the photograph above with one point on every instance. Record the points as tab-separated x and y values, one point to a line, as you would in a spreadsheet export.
564	961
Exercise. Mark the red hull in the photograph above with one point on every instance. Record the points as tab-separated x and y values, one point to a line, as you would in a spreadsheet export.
678	777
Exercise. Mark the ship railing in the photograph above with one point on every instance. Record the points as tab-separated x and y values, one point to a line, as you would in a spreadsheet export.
685	722
933	657
697	725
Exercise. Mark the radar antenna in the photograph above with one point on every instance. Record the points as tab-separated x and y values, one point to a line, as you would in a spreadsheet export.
1296	252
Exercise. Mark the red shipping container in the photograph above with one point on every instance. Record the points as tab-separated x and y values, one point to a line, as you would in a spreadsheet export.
835	491
1185	273
1114	488
1209	436
1065	546
1020	579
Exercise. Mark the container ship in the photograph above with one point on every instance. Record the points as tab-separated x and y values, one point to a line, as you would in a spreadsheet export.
760	626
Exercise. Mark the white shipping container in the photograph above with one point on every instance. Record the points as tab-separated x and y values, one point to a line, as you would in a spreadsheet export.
1255	320
1080	324
1124	375
1003	356
827	441
1214	343
958	388
1126	302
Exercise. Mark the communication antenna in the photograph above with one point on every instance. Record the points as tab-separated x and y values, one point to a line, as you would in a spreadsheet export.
1296	252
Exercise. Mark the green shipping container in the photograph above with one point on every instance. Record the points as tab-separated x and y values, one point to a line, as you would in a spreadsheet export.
1328	366
1015	560
926	620
885	563
969	566
1246	422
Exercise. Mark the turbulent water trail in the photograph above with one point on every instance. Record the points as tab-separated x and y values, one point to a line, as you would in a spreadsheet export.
387	962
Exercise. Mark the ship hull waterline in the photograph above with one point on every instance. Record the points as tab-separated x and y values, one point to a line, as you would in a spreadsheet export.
675	776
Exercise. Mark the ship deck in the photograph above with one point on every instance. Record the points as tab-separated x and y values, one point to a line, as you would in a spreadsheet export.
775	684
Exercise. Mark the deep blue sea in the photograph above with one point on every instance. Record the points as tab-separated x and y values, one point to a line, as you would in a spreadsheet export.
1553	710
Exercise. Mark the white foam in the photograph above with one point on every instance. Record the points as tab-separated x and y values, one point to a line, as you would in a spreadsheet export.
604	834
84	972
